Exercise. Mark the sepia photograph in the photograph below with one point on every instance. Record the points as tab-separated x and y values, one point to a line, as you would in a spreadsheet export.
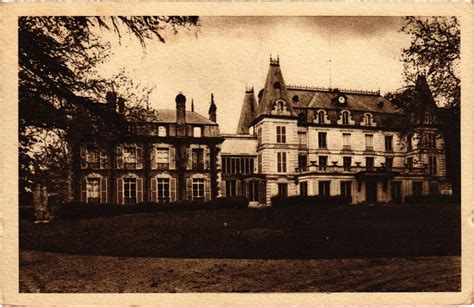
239	154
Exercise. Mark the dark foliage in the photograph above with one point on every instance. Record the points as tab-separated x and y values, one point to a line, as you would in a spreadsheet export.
431	199
285	233
315	200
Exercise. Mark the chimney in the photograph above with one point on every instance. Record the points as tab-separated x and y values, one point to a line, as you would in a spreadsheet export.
180	109
212	110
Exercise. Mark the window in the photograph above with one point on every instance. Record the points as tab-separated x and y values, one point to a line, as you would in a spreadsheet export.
388	143
410	163
129	190
345	118
347	161
323	162
434	189
281	162
321	115
259	136
231	187
396	191
369	163
162	131
431	140
304	188
281	134
129	156
92	157
198	189
283	189
198	158
369	142
368	120
346	188
197	132
389	163
163	189
346	141
162	158
93	190
302	140
259	163
409	142
324	188
237	165
322	140
302	162
417	188
433	165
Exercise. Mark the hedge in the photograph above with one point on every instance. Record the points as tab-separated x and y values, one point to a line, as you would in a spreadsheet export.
430	199
82	210
316	200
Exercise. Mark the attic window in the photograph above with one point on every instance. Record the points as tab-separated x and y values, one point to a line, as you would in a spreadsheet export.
380	104
277	85
296	98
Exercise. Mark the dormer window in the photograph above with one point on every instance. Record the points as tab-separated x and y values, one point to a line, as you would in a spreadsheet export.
368	120
277	85
197	132
161	131
280	108
321	117
345	118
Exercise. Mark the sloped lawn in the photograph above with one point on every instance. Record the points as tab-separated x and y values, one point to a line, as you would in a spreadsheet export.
273	233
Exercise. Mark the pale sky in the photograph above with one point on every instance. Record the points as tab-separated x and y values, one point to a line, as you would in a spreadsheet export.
225	54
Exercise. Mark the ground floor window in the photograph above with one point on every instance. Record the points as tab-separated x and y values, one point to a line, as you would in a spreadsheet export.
324	188
198	189
283	189
417	188
304	188
129	190
396	191
434	189
346	188
93	190
253	190
231	188
163	189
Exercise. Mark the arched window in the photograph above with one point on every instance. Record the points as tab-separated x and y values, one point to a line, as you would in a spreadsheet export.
321	115
345	118
368	119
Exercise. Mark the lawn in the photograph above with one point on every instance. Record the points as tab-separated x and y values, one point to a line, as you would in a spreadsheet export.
273	233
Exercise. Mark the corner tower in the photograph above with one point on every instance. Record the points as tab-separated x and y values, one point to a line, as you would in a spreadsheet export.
248	112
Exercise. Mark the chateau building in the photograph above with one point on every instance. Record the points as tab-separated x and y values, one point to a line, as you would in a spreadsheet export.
289	141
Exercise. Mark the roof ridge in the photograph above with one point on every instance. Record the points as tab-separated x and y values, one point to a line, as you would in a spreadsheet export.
334	90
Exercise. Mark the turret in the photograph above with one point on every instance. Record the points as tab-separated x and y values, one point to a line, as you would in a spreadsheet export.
275	100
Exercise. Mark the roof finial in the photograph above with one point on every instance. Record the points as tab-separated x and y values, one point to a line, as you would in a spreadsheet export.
192	104
212	97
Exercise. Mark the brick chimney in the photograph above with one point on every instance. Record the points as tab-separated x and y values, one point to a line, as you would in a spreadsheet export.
181	114
213	110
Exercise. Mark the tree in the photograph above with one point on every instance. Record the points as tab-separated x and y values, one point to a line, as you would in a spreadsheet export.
431	73
61	98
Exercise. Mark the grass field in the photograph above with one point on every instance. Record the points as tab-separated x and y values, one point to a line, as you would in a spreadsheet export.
274	233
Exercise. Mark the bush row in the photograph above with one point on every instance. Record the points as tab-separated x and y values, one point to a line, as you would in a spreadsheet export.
81	210
430	199
315	200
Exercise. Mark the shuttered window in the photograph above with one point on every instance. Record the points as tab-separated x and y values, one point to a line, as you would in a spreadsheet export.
129	191
281	162
163	189
198	189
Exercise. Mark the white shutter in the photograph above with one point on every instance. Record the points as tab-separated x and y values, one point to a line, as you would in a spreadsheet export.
139	156
207	158
153	157
172	189
172	158
153	190
103	190
139	190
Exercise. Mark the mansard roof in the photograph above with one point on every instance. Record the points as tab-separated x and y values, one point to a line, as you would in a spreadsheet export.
169	116
321	98
248	112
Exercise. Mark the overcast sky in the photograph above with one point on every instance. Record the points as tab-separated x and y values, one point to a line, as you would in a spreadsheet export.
225	54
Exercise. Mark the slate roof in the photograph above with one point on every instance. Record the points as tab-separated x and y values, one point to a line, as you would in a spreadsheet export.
248	112
357	101
169	116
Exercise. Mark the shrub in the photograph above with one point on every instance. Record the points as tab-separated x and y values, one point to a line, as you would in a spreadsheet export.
315	200
430	199
232	202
